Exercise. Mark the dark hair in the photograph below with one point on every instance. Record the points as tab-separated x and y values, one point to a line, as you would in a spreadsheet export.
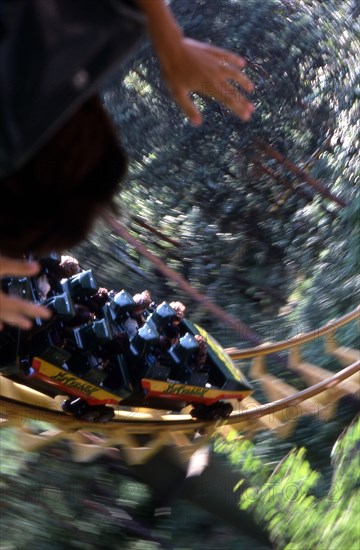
52	201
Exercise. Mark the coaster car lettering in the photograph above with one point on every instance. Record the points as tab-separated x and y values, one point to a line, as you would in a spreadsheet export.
72	382
185	390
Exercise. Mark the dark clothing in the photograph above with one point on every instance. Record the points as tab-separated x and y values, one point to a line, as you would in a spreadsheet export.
54	54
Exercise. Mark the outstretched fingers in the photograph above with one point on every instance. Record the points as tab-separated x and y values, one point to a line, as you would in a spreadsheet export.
228	56
17	268
230	96
187	105
20	313
230	73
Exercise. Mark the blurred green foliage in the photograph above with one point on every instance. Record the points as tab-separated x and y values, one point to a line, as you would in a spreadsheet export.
287	499
49	501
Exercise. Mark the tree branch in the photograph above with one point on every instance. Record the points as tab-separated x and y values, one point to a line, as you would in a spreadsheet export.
299	173
237	325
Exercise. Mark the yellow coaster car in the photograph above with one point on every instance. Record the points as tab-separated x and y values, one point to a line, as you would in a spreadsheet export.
112	352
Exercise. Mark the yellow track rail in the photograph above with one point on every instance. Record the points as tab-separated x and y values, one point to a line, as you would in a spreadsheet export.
20	404
138	420
268	349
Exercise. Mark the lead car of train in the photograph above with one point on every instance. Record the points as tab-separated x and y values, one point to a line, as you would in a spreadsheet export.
109	352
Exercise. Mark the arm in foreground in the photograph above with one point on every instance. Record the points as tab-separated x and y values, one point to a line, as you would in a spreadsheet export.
191	66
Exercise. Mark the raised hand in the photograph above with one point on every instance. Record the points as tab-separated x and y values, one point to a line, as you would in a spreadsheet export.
209	71
190	66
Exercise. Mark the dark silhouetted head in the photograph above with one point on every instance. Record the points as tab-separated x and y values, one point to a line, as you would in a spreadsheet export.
52	201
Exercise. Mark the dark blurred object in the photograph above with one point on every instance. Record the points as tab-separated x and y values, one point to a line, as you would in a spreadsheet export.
57	144
77	172
55	54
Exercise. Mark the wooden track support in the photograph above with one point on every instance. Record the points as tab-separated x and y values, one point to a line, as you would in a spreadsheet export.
276	389
191	436
270	421
140	434
313	374
345	355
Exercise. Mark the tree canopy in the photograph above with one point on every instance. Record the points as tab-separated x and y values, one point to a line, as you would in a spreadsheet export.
258	207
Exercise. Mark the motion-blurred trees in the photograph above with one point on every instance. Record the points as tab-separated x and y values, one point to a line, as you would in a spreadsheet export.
51	502
253	234
251	229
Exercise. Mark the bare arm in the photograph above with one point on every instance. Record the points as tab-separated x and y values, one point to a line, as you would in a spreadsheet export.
191	66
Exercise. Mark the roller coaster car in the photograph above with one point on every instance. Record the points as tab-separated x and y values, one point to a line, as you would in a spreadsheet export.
98	363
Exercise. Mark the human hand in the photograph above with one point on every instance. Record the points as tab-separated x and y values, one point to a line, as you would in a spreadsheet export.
190	66
207	70
15	311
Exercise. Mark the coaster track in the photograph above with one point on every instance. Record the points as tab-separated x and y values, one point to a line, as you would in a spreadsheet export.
142	432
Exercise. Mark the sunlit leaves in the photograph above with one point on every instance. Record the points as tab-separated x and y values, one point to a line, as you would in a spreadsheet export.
288	500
